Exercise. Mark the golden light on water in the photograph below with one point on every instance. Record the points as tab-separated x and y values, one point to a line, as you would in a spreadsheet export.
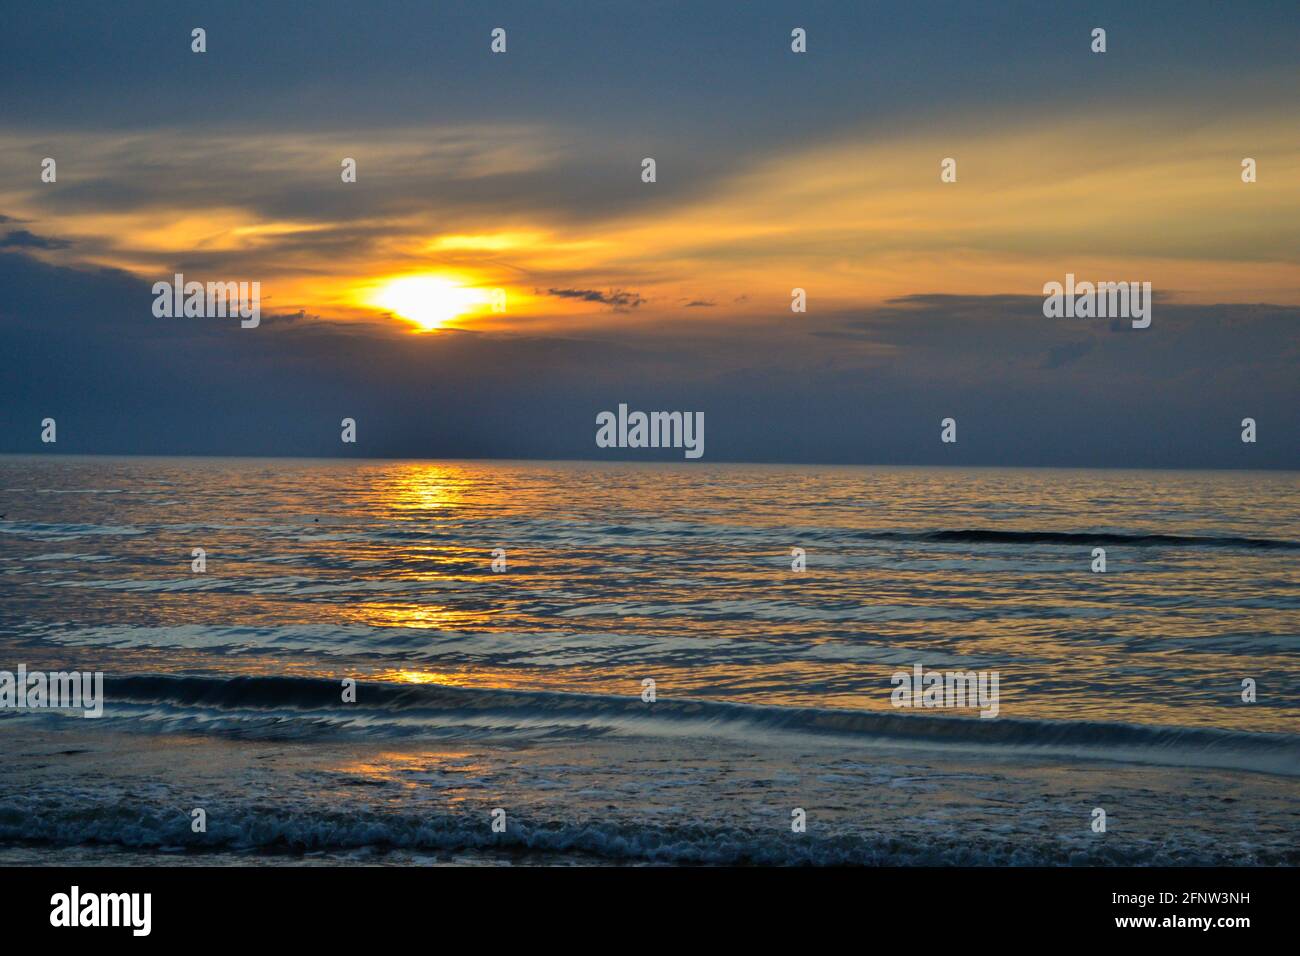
429	301
426	677
421	488
421	595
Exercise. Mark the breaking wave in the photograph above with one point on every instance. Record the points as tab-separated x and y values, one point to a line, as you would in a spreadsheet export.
290	707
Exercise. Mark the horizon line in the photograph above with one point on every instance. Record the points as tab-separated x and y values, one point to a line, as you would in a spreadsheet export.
642	462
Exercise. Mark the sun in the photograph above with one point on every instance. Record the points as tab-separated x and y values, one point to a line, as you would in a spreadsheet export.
428	301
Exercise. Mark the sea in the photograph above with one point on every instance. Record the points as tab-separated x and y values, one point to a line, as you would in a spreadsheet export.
381	662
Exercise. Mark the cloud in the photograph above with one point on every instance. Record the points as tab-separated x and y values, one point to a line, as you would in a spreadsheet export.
617	299
22	239
529	206
83	346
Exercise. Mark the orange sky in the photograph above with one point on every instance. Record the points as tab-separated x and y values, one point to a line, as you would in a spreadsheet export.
854	221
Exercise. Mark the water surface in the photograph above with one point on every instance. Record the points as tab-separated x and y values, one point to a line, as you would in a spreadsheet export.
522	689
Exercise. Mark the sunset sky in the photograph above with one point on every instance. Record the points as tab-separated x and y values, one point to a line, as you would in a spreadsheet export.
522	172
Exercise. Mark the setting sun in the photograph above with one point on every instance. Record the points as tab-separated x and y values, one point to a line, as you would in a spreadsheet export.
428	301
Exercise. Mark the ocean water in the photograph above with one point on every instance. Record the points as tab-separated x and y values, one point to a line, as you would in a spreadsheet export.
521	690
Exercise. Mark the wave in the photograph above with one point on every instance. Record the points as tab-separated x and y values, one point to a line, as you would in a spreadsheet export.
547	530
257	831
286	707
1085	538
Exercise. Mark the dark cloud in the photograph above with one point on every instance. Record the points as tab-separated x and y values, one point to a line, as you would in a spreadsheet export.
22	239
617	299
634	71
871	386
